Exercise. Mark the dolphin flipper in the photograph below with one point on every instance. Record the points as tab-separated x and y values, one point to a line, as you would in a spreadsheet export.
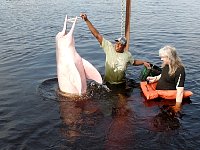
91	72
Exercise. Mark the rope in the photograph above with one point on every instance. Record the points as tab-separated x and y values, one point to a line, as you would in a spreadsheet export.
122	18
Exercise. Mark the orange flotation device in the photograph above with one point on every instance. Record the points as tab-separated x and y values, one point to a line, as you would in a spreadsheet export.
150	92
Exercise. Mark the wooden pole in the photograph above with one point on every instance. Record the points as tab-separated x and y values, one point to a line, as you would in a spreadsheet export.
127	23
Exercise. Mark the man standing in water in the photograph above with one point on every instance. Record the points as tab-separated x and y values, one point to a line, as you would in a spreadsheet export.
117	59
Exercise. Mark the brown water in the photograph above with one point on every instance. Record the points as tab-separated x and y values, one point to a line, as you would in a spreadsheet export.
32	116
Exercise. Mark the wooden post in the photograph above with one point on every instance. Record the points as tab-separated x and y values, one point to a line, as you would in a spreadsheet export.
127	23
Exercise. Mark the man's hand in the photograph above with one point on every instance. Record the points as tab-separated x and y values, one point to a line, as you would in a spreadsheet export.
146	64
84	16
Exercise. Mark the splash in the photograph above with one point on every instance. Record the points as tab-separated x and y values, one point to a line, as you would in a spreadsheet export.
49	90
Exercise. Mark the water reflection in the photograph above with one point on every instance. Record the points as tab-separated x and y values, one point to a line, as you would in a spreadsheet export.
120	133
75	111
105	116
81	117
75	115
167	118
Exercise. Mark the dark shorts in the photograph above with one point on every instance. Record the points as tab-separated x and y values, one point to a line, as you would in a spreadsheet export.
121	88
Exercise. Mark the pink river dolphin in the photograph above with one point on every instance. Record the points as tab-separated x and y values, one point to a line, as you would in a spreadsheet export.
72	70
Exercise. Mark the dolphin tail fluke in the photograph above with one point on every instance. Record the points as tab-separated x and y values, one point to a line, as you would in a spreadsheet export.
91	72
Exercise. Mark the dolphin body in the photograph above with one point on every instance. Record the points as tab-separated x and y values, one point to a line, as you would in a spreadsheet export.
72	70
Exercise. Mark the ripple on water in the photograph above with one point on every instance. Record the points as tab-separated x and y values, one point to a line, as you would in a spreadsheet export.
40	121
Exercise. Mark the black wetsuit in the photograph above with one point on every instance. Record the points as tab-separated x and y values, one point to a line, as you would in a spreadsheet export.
167	82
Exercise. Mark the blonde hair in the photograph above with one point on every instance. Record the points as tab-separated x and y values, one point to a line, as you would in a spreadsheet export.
174	59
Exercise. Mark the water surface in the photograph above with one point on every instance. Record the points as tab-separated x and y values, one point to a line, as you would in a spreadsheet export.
33	117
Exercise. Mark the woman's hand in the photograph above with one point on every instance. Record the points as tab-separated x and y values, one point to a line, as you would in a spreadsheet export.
152	79
177	108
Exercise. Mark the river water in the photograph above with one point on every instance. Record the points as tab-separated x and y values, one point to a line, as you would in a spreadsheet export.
32	116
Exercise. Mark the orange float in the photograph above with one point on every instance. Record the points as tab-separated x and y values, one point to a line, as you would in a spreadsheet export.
150	92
